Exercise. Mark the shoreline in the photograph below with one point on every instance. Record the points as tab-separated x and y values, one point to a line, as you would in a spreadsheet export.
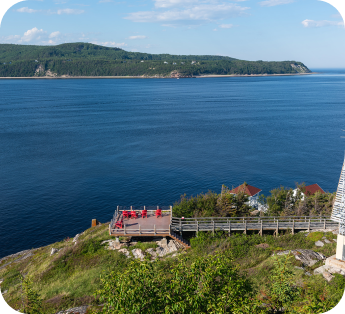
146	77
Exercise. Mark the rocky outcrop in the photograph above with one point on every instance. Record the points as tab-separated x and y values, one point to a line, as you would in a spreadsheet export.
126	252
300	68
138	253
307	257
53	251
17	257
164	248
75	310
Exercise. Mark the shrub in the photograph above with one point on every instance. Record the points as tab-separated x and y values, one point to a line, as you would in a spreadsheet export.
209	284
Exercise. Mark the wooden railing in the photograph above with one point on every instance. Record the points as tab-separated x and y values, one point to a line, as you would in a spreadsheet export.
252	223
139	231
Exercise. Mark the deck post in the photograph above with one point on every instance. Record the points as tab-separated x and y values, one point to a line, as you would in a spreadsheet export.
154	228
180	227
197	227
229	223
170	214
324	224
139	229
245	226
293	226
261	229
309	226
277	229
124	229
212	227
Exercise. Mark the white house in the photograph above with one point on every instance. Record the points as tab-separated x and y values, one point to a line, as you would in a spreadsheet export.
251	191
308	190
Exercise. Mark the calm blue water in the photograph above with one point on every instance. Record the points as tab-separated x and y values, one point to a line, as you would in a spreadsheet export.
71	150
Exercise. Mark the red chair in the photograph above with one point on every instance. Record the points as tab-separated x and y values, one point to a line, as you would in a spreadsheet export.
119	224
158	213
144	213
125	214
134	214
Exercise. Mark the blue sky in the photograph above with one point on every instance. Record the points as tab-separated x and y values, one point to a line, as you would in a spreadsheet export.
310	31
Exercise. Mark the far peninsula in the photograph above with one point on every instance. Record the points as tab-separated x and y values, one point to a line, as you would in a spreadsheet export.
85	60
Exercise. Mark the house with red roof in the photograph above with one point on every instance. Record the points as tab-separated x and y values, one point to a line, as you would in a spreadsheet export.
251	191
309	190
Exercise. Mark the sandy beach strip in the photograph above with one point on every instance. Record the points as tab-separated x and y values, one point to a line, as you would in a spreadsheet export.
145	77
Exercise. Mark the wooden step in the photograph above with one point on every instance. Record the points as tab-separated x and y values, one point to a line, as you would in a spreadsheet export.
180	240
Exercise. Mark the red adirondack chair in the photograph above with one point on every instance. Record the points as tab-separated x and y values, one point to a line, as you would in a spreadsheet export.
144	213
158	213
134	214
119	224
125	214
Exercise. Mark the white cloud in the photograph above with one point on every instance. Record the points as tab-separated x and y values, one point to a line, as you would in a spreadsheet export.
172	3
59	11
105	1
199	13
109	44
336	16
226	25
137	37
33	35
54	34
311	23
69	11
272	3
11	38
26	10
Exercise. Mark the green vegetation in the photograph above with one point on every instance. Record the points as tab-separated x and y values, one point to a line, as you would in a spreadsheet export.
83	59
212	205
280	202
236	274
152	289
32	302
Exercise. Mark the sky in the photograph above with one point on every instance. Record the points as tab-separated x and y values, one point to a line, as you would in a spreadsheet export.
309	31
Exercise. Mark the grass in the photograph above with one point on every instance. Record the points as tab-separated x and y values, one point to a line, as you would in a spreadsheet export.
315	236
70	277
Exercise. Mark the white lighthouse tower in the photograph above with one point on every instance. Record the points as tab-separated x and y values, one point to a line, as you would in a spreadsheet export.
338	215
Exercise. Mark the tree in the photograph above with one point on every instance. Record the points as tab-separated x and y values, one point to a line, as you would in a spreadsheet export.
32	300
282	290
277	201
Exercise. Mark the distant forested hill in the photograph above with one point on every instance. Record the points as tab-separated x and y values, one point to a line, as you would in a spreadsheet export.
84	59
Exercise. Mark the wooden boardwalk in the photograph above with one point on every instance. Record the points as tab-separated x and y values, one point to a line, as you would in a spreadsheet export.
245	224
174	227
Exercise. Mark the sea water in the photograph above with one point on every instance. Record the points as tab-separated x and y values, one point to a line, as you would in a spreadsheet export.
72	150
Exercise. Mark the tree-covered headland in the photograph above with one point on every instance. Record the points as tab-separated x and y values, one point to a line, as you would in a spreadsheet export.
84	59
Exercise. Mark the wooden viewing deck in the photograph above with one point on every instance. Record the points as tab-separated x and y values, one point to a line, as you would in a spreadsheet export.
170	226
150	226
